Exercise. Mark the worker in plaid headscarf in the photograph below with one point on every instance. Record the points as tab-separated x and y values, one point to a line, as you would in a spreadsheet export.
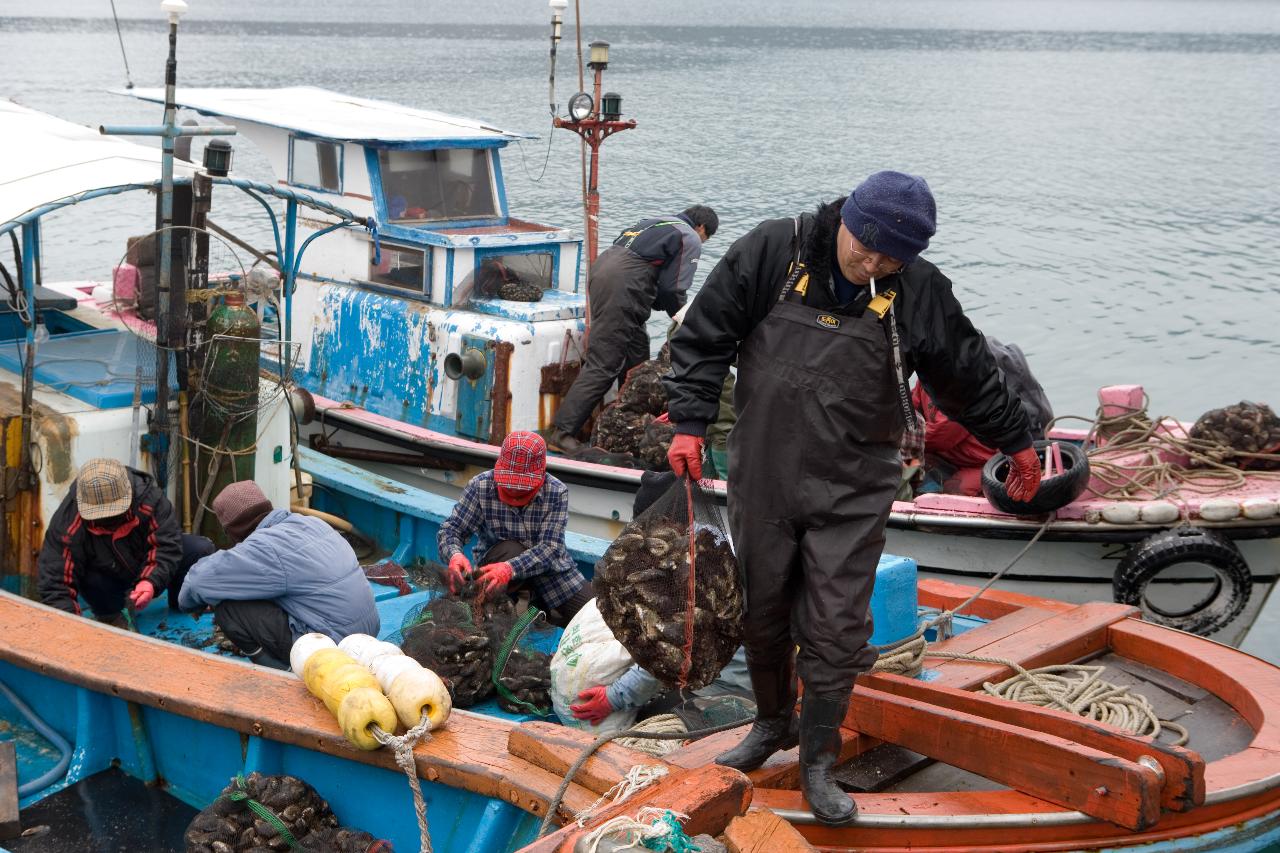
518	514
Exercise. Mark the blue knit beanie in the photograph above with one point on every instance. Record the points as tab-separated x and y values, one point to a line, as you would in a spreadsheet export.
892	213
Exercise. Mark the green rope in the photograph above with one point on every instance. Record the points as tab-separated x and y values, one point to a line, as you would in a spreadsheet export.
676	839
263	812
504	652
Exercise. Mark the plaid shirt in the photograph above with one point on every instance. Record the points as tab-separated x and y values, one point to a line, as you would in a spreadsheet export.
539	526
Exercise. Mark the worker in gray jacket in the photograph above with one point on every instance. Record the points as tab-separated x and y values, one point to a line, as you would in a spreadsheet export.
286	575
649	267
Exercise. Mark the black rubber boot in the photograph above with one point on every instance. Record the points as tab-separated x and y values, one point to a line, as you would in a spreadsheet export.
775	727
820	717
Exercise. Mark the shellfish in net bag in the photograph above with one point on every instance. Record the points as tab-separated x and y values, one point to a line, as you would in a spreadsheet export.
1245	434
670	590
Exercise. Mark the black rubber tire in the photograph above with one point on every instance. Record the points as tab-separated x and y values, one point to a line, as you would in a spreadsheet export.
1055	492
1232	585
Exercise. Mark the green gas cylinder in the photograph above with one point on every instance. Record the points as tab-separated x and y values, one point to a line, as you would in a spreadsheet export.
226	408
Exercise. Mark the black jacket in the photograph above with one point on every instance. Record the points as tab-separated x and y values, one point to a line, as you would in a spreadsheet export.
147	546
938	341
672	248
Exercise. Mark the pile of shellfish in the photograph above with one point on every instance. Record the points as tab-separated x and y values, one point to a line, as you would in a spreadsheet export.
447	641
230	826
1242	428
642	587
527	677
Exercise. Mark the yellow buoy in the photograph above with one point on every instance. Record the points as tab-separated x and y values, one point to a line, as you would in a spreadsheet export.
360	710
417	692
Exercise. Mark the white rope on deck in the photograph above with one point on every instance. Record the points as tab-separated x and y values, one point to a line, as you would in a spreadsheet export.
402	746
636	833
637	779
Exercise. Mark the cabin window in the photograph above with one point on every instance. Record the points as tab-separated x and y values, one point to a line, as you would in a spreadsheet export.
400	267
441	184
511	273
315	164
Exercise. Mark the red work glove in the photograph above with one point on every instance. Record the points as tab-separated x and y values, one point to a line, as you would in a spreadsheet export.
685	455
459	568
664	418
594	706
141	595
494	578
1024	475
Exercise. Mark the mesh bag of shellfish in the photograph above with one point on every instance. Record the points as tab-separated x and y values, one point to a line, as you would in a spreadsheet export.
272	813
642	389
655	444
481	646
670	590
447	636
522	647
1245	435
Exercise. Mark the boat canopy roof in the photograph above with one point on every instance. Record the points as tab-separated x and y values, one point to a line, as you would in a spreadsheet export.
323	114
44	159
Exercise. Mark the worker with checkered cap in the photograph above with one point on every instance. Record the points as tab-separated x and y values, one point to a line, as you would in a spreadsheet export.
114	541
518	514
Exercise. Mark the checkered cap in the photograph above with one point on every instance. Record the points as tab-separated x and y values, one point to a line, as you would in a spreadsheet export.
522	463
103	489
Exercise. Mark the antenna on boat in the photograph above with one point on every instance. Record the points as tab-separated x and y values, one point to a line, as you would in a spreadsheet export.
128	78
557	18
168	132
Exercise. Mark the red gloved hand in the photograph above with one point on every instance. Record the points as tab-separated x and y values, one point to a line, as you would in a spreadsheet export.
594	707
494	578
1024	475
459	568
685	455
141	595
664	418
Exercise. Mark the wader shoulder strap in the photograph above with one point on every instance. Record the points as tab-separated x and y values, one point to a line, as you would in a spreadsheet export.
882	304
630	236
797	274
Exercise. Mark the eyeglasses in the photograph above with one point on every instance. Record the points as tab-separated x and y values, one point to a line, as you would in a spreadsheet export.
881	266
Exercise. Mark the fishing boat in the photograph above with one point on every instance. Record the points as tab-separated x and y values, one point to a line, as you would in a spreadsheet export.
932	762
162	719
414	372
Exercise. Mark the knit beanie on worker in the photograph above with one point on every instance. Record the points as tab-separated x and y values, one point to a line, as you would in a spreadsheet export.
240	508
892	213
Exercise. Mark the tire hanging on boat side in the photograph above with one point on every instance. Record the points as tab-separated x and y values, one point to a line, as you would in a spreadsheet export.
1232	581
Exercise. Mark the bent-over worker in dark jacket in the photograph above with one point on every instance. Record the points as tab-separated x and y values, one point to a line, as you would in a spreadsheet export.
649	267
827	314
114	537
287	575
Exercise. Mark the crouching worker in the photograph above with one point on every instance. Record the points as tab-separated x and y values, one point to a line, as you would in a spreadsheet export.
518	513
285	575
114	540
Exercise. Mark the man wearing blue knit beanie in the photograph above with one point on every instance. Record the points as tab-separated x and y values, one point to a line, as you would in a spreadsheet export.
828	314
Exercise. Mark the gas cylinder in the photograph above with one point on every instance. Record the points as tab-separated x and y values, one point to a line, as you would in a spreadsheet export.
225	415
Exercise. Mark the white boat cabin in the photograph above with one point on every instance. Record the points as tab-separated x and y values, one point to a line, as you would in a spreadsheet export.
405	319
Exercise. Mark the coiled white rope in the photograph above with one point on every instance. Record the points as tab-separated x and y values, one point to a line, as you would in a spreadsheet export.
1079	689
402	746
660	724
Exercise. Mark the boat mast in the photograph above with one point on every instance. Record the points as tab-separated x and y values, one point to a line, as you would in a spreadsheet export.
594	119
168	132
